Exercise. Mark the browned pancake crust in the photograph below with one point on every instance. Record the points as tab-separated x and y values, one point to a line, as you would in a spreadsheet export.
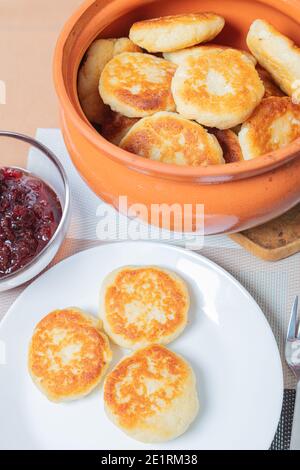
229	142
171	33
188	19
260	125
116	126
126	395
148	288
214	93
178	56
137	85
217	62
169	138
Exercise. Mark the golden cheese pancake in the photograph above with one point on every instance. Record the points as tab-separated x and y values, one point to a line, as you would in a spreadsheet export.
169	138
274	124
217	90
68	354
179	56
271	89
278	55
137	85
151	395
170	33
230	145
143	305
115	126
99	53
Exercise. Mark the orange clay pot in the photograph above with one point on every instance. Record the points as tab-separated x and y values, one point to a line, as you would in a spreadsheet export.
236	196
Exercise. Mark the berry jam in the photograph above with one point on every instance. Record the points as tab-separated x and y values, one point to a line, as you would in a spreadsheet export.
29	215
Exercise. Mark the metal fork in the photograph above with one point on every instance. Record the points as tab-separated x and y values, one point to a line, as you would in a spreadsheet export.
292	357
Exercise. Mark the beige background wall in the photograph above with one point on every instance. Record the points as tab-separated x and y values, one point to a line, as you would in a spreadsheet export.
28	32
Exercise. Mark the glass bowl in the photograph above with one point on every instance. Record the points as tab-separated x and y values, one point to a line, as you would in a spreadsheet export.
21	151
236	196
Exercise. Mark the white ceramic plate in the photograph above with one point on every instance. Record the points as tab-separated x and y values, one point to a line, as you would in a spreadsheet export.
228	342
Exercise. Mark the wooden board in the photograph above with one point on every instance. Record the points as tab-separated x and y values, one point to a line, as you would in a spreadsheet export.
274	240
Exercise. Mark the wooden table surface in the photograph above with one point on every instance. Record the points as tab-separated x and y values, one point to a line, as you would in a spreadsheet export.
28	33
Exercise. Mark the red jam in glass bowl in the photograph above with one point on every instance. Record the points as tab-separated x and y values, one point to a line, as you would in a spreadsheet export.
30	213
